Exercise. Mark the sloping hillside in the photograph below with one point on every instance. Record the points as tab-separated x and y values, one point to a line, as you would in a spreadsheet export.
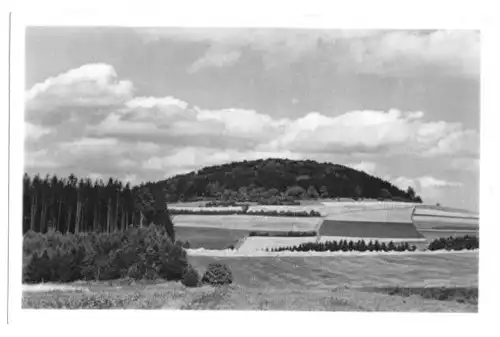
272	180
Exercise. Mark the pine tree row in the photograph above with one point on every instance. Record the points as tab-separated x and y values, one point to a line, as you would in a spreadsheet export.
72	205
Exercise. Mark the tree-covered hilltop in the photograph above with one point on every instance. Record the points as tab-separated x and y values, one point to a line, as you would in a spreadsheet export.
274	181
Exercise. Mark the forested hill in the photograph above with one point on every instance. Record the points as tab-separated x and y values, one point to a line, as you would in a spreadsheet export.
272	180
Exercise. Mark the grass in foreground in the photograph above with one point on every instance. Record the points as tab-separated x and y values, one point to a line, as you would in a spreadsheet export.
235	297
459	294
309	283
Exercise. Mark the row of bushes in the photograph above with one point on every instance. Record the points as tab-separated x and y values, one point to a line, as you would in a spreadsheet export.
450	243
177	211
137	253
455	243
347	246
311	213
278	202
284	234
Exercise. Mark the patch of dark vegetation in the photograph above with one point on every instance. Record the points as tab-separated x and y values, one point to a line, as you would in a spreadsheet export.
244	211
457	294
217	274
284	234
311	213
450	243
455	243
347	246
145	253
185	211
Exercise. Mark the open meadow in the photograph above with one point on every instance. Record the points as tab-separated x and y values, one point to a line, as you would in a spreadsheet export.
413	283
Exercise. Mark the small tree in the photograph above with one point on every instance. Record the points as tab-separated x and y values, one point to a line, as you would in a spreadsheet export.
410	193
312	193
358	192
295	192
385	194
323	190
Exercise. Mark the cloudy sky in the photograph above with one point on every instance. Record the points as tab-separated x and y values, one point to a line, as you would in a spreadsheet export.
144	104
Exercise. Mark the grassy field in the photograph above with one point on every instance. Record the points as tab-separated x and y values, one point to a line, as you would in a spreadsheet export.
210	238
368	229
247	222
354	283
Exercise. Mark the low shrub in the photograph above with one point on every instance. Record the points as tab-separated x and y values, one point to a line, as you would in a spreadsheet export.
455	243
344	245
146	253
190	278
183	244
217	274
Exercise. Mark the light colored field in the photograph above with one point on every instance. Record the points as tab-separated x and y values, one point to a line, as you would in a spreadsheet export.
291	283
430	222
248	222
395	215
255	243
425	211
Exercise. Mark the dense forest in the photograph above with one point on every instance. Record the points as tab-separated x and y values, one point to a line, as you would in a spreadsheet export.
82	205
271	180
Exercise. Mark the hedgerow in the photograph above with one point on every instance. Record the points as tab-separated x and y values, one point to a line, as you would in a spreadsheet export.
284	234
139	253
174	211
244	211
451	243
344	245
311	213
455	243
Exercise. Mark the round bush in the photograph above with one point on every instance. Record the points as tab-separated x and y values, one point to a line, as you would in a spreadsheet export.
190	278
217	274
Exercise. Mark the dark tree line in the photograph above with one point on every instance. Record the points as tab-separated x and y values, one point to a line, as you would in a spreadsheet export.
82	205
279	178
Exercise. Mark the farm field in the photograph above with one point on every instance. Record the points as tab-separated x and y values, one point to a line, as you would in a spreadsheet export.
373	214
210	238
350	283
368	229
248	222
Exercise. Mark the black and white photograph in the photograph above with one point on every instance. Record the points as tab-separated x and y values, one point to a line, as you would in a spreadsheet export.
250	168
